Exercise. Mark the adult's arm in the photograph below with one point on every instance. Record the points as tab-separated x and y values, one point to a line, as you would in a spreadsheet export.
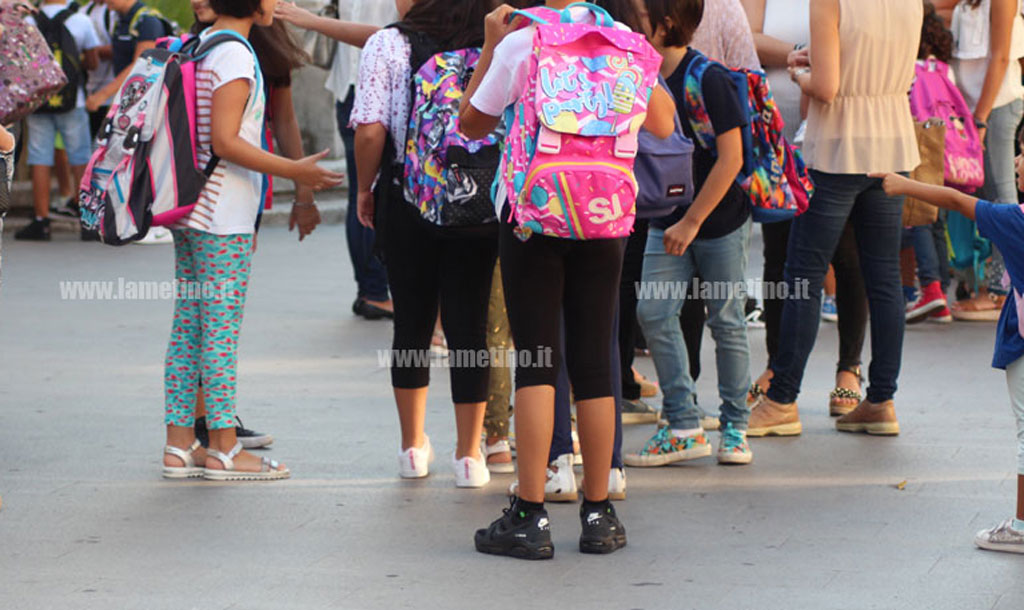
822	81
347	32
773	52
1001	19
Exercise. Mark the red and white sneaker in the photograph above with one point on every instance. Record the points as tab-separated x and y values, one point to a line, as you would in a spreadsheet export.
931	299
941	316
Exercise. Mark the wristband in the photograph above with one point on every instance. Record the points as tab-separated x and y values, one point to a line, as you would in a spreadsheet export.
296	203
978	123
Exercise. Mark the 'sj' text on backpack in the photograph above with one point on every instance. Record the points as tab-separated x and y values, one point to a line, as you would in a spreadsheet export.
66	53
573	138
773	176
934	96
447	176
144	171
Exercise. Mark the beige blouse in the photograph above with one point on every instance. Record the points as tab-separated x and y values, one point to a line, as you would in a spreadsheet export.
868	127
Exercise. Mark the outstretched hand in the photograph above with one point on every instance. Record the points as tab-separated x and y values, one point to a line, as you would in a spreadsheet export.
315	176
289	12
893	184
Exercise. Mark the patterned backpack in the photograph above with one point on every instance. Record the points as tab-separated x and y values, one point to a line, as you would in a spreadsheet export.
446	176
773	176
573	138
144	170
933	95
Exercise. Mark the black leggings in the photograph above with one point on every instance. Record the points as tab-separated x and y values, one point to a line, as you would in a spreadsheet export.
851	297
543	276
426	269
632	270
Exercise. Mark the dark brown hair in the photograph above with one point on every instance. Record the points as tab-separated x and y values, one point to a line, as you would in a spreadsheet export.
236	8
277	52
935	38
680	19
452	24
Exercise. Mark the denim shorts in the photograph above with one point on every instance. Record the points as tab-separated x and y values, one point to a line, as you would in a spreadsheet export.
73	126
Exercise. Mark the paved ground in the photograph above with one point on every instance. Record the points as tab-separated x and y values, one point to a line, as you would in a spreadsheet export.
816	522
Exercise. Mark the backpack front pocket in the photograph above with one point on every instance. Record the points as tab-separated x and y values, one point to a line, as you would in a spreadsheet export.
579	200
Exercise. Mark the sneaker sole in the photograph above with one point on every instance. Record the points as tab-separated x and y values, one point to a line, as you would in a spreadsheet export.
921	313
602	547
629	419
171	472
650	461
518	551
256	442
501	467
940	319
876	428
735	460
710	423
830	317
232	475
794	429
618	496
561	496
990	315
1002	548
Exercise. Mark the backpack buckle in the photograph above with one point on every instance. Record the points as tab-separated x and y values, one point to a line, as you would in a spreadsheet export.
549	142
626	145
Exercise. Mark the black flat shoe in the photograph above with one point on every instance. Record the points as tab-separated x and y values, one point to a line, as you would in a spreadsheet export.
371	312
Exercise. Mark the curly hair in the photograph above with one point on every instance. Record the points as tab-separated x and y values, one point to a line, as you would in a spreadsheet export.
935	38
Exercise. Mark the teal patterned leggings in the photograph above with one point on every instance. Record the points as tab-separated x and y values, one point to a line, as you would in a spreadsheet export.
212	275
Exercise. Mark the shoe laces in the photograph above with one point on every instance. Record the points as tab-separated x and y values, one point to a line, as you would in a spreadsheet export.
732	438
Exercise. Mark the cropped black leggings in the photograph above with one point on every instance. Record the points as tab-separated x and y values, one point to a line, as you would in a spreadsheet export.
543	276
426	269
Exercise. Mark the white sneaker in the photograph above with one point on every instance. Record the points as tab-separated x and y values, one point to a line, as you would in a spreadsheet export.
1001	538
156	236
414	462
617	484
561	482
470	472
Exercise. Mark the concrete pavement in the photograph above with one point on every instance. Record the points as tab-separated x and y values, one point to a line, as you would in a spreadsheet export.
816	522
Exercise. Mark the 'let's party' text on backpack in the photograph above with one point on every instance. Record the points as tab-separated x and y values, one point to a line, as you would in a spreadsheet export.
447	176
572	142
773	176
144	171
934	96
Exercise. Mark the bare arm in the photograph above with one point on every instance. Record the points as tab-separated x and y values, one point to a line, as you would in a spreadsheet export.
1001	18
106	51
288	135
348	32
229	103
661	113
370	141
96	99
91	59
822	82
773	52
728	164
939	196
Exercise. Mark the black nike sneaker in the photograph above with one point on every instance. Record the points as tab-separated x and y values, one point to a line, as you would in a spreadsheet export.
602	531
520	534
250	439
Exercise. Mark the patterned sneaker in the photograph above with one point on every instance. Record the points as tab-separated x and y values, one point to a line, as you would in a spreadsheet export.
1001	538
733	447
665	447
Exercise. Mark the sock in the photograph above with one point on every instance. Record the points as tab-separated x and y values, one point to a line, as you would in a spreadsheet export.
40	218
601	506
1018	525
681	433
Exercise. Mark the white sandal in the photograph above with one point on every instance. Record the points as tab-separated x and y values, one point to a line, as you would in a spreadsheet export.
187	457
268	469
501	446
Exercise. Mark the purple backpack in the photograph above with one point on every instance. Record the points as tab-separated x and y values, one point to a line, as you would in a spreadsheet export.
933	95
664	171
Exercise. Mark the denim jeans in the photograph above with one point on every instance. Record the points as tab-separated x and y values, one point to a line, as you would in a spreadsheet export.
1000	176
877	220
923	242
371	278
719	262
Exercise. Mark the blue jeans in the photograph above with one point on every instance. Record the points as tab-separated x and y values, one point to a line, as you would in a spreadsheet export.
561	438
719	262
371	277
923	242
877	221
1000	176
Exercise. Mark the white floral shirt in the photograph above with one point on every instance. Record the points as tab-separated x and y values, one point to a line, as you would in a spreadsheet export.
382	91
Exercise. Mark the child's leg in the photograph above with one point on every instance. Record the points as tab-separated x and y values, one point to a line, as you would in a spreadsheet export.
222	265
181	368
591	286
42	129
1015	383
723	263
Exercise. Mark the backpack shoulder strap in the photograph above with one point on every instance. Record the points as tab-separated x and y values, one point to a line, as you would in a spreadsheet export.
61	18
693	97
422	47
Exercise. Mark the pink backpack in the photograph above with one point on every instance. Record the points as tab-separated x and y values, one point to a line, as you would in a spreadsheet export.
934	96
573	135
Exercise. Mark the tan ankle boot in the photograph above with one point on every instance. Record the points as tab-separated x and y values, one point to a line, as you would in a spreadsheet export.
872	418
769	418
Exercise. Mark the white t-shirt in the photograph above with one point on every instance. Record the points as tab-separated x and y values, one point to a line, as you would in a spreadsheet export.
103	20
345	68
382	93
81	30
506	79
232	197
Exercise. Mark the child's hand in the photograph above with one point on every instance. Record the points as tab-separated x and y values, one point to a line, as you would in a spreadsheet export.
314	176
305	216
498	24
893	184
289	12
679	236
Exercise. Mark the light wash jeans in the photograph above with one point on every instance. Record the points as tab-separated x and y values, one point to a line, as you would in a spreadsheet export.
1015	383
1000	175
723	262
